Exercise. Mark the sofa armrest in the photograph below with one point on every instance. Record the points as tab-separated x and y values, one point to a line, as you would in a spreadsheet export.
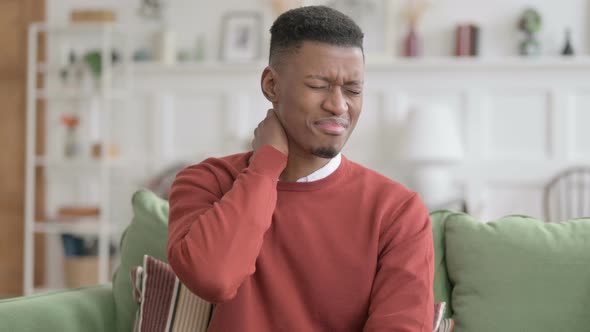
83	309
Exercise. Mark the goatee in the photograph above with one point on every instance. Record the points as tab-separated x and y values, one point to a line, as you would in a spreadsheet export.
327	153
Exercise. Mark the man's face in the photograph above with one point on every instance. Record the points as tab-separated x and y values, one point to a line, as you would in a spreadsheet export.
319	92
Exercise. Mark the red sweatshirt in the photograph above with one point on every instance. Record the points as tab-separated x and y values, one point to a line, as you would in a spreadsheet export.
350	252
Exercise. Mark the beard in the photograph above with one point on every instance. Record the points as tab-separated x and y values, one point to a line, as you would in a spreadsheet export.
327	153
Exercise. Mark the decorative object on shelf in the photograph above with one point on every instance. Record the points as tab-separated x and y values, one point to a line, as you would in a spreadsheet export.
415	9
93	60
183	56
412	45
199	54
530	24
92	16
241	36
71	144
82	72
81	260
74	73
568	49
377	20
113	151
467	40
163	41
143	54
151	9
433	146
165	45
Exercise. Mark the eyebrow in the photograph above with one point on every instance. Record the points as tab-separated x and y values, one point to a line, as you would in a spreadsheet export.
326	79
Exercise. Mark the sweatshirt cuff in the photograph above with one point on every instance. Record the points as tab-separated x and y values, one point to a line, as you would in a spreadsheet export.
269	161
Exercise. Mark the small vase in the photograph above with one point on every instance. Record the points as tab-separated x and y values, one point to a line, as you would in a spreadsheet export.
71	146
568	49
411	43
530	46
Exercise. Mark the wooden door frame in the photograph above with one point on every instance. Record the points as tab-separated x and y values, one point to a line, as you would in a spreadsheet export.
13	74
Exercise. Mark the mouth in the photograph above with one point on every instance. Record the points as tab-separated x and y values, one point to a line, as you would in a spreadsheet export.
334	127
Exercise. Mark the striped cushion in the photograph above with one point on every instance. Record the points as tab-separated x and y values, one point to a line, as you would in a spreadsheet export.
439	313
165	304
447	325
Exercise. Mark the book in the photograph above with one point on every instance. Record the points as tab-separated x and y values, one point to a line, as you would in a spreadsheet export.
92	16
467	40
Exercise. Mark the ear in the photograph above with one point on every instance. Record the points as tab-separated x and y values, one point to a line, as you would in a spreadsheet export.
268	83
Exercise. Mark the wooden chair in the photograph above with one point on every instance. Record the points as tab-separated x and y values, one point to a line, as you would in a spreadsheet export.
567	195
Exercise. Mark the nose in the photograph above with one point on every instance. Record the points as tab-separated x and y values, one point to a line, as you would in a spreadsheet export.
336	102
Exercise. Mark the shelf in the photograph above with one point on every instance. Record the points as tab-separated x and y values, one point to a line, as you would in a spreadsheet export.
377	64
78	95
78	226
74	28
83	162
45	68
153	67
108	93
482	62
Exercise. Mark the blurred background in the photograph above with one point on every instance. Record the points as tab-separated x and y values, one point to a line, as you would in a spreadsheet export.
479	106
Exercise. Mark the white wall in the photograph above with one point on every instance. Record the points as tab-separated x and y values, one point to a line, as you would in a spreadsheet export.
517	128
497	19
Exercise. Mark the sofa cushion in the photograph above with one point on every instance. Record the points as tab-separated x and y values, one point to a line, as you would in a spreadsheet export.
442	285
146	235
90	309
518	274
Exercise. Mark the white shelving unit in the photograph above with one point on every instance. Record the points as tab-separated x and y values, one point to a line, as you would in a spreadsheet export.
58	100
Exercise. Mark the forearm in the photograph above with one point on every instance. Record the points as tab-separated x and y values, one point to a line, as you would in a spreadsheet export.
410	307
213	247
402	298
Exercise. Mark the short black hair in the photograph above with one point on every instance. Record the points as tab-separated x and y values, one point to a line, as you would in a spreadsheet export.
312	23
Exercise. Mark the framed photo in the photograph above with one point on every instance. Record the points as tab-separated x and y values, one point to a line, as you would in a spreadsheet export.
376	19
241	36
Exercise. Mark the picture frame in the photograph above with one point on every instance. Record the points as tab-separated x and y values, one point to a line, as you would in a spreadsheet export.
241	37
377	20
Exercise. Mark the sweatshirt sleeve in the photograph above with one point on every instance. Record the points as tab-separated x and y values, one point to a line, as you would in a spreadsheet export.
402	297
215	237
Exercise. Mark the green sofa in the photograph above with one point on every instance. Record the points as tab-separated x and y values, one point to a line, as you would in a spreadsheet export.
513	274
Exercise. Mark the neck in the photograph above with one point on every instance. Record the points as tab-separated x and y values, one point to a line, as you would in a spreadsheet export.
300	165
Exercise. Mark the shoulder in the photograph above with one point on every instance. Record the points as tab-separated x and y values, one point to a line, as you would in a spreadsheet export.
216	170
231	163
391	201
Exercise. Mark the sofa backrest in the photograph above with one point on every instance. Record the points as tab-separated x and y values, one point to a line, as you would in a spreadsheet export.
518	273
146	235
